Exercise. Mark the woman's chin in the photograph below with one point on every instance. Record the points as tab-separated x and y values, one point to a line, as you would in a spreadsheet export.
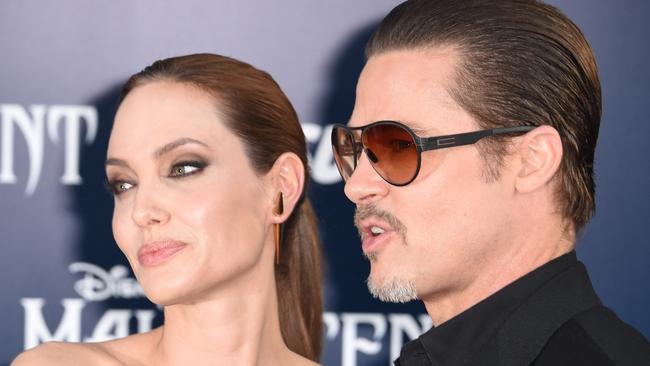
165	294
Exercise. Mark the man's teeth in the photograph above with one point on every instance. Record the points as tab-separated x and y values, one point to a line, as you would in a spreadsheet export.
376	230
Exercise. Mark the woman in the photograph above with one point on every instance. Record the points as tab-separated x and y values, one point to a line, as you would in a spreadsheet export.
208	165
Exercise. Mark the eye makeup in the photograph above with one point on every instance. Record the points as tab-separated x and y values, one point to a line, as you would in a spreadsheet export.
186	168
117	186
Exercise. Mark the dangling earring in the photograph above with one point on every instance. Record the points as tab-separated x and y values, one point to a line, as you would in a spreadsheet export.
279	210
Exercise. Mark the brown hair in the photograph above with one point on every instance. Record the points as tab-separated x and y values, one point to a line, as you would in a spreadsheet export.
522	62
256	110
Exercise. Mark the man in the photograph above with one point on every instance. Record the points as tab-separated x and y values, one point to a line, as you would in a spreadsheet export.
469	156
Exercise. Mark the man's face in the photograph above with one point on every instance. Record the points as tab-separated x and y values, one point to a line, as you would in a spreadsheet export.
434	236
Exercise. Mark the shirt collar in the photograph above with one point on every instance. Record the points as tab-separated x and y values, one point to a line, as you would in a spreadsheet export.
502	314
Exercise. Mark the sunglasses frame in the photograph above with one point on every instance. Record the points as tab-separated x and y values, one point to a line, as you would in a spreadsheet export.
422	144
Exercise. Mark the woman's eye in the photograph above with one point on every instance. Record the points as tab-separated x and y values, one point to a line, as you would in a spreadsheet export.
186	168
119	187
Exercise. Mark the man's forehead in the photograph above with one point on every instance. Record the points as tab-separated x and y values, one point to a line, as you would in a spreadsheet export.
408	86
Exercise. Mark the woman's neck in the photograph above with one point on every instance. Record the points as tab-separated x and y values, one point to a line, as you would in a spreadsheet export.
235	325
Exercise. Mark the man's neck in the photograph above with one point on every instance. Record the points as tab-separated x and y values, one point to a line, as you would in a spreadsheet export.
535	247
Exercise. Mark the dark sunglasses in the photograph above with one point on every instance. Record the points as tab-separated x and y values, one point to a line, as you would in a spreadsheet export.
394	150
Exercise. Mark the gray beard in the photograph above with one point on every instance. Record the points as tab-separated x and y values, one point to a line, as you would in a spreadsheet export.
392	290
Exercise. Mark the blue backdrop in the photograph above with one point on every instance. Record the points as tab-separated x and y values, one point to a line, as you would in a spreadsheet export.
61	66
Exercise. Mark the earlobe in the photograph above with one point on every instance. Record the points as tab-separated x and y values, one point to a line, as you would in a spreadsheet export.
541	153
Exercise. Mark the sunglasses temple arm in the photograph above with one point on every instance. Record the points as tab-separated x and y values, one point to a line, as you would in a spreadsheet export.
467	138
440	142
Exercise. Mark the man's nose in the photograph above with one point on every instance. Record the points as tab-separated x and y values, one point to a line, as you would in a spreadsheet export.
364	185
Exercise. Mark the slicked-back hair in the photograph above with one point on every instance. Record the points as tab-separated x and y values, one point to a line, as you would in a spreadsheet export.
259	113
521	62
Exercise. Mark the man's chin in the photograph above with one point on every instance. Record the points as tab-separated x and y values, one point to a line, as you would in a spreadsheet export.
392	290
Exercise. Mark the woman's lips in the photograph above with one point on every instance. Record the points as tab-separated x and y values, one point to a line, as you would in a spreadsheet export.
154	253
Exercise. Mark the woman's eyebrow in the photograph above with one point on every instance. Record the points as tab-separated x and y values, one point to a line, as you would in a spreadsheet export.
118	162
160	151
176	143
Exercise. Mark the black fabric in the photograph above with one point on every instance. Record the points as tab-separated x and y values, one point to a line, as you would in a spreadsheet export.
572	346
550	316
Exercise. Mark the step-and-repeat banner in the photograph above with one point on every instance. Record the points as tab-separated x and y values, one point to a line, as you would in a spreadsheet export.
61	66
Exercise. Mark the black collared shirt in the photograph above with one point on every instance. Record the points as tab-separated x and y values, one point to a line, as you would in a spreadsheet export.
550	316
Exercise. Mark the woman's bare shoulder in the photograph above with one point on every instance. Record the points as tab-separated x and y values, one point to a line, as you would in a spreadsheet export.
123	351
62	353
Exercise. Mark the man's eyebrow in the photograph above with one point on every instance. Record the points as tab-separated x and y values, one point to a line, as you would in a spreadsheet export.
410	124
176	143
415	127
418	131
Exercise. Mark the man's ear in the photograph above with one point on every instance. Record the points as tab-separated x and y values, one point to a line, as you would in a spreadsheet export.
287	177
540	151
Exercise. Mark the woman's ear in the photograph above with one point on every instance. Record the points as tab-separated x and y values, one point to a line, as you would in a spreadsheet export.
287	177
540	152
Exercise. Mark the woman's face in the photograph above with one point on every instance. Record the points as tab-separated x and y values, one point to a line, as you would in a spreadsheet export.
190	214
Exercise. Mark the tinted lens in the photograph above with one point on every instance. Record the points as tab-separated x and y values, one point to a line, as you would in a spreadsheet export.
392	152
344	151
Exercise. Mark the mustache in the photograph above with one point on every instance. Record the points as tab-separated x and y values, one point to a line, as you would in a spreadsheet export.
363	212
